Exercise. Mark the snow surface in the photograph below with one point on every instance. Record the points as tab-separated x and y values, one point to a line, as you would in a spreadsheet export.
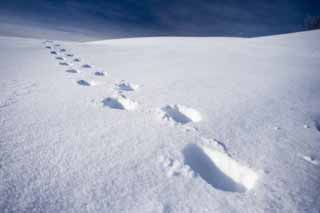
74	141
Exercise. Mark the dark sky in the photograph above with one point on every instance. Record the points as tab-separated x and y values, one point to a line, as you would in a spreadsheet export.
245	18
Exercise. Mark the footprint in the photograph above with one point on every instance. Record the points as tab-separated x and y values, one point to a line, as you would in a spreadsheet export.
100	73
72	71
120	102
86	83
218	169
179	114
60	58
76	60
54	53
57	45
69	55
48	47
86	66
64	64
63	50
126	86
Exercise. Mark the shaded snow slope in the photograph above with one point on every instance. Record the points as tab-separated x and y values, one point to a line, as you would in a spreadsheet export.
74	141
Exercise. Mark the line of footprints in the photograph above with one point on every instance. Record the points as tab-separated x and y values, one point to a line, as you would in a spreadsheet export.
208	159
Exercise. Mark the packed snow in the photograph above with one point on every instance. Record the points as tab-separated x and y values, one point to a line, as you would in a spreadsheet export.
163	124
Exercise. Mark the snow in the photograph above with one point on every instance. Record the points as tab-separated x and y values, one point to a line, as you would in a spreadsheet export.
75	141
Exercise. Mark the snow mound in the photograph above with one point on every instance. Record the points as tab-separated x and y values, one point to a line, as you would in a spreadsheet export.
218	169
126	86
180	114
120	102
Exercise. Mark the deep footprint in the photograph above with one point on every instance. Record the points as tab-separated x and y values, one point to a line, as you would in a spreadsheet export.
218	169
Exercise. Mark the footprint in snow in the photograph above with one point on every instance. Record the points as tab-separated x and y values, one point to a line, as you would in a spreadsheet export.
218	169
126	86
76	60
179	114
72	71
53	52
120	102
57	45
60	58
64	64
69	55
86	66
48	47
63	50
86	83
100	73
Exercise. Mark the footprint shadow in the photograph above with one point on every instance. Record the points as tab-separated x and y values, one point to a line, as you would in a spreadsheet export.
112	103
83	83
195	157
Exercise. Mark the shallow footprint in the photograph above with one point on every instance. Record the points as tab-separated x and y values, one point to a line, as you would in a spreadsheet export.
69	55
77	60
54	53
